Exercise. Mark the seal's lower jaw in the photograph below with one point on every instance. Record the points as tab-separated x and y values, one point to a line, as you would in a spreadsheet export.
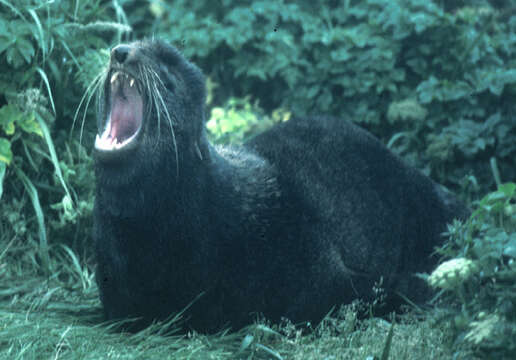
123	125
108	147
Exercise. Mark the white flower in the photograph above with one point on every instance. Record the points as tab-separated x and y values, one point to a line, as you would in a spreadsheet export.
452	273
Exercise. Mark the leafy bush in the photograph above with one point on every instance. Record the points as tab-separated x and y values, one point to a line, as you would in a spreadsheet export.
44	48
479	280
434	83
456	65
239	120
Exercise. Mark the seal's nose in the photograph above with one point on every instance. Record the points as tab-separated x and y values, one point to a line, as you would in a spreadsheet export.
120	52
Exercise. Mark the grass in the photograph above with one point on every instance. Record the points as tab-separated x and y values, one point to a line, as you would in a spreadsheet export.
59	317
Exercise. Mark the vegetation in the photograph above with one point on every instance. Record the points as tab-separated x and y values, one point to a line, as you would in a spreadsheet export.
479	279
49	53
445	77
240	120
59	317
434	81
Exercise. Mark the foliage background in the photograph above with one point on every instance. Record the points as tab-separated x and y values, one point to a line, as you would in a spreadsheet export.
437	83
434	80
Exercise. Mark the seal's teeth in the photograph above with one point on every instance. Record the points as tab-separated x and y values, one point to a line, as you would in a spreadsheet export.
131	83
113	78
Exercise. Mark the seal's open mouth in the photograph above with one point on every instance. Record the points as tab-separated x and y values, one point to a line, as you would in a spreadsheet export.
125	116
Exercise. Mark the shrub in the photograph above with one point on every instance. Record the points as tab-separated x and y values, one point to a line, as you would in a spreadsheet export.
455	65
478	281
44	48
239	120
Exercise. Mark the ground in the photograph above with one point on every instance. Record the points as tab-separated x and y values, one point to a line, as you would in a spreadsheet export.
59	317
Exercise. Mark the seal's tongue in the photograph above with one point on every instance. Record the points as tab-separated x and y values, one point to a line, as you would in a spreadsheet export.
126	114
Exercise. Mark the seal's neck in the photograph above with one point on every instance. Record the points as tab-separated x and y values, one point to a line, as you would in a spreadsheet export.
225	182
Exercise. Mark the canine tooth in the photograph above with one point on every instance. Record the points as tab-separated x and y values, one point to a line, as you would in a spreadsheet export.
131	83
113	78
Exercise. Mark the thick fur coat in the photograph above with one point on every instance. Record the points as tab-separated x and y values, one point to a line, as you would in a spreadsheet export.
306	216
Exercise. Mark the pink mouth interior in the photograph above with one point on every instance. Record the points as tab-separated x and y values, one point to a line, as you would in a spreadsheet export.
126	113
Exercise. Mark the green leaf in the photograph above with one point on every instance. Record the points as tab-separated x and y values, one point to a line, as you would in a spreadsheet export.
9	114
510	248
509	189
340	55
13	57
427	90
5	43
9	128
4	32
6	154
29	124
26	49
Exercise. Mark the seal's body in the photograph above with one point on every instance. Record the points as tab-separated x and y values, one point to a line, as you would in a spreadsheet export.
306	216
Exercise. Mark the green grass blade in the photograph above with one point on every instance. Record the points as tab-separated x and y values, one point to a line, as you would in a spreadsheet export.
45	79
76	266
13	8
72	56
248	340
42	44
267	330
269	351
34	197
395	138
28	156
3	166
52	150
388	343
496	172
75	11
120	17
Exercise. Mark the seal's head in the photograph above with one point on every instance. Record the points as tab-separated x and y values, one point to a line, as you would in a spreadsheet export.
152	100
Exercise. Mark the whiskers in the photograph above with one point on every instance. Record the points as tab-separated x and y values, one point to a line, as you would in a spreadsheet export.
93	87
154	89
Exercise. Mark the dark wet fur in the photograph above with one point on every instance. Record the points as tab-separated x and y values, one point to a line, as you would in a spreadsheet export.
306	216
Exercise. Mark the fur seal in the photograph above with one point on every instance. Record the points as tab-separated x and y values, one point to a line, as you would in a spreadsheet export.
308	215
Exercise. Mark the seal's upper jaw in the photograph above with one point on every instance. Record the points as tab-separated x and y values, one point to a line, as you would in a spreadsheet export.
124	104
125	115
